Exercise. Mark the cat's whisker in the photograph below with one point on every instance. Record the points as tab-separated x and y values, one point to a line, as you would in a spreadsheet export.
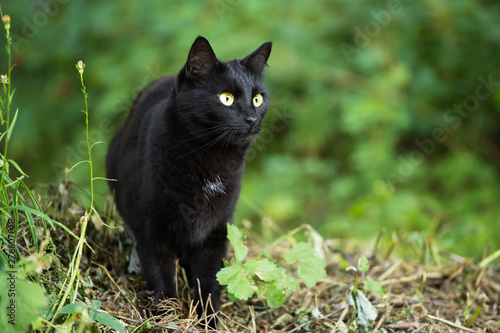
206	146
203	132
230	139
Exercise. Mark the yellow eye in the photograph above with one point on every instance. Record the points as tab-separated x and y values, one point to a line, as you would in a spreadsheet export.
257	100
226	99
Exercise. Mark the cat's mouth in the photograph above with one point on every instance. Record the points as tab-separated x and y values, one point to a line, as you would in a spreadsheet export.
244	139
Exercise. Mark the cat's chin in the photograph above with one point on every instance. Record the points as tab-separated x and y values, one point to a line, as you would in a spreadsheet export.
244	140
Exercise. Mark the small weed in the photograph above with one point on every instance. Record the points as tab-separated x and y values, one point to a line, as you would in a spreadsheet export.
73	274
364	313
86	317
270	279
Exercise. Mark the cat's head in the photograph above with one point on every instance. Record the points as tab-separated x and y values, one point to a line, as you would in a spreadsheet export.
222	103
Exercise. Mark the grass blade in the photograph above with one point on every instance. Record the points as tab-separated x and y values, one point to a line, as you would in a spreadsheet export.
486	261
11	127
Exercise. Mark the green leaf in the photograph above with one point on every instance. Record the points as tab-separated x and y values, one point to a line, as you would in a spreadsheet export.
267	254
285	282
21	303
365	312
232	297
275	296
40	213
262	268
76	307
363	265
12	124
317	242
311	268
237	281
300	251
236	238
311	271
93	310
227	274
374	286
18	168
108	320
342	262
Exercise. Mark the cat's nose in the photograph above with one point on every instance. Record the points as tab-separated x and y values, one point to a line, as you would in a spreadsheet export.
251	120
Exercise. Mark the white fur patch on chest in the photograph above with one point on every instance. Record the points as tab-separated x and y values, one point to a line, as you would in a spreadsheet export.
211	189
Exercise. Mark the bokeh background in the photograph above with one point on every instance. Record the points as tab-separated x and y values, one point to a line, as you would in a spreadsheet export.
384	116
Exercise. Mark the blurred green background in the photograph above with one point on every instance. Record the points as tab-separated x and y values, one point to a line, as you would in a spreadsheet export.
384	113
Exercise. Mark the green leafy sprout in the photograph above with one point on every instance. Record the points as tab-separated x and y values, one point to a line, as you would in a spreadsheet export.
364	312
91	315
268	278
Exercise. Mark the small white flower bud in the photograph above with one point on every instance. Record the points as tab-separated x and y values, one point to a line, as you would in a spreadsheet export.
80	67
6	21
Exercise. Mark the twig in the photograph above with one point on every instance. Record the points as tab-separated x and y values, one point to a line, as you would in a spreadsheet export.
231	320
454	274
118	287
452	324
411	278
495	286
480	276
403	325
381	321
344	313
252	318
314	320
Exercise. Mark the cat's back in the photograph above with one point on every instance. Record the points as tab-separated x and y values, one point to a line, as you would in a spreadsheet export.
127	139
154	93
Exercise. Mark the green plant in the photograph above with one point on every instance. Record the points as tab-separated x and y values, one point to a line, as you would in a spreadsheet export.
363	311
270	279
85	317
468	320
70	285
21	303
23	299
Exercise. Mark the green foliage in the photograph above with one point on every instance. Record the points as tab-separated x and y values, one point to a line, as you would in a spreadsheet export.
353	136
364	312
370	284
236	238
76	309
363	265
239	285
27	302
21	302
374	286
268	279
311	268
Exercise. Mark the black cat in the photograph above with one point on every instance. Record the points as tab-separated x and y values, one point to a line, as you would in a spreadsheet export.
178	161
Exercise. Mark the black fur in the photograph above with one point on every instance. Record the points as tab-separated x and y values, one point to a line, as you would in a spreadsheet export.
178	161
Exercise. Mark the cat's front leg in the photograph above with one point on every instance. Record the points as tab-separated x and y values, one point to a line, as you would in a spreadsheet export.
202	262
158	265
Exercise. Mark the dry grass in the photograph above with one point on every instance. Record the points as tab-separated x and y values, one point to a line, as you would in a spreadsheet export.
421	295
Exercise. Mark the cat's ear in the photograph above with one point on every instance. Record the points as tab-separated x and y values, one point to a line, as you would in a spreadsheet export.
256	61
201	59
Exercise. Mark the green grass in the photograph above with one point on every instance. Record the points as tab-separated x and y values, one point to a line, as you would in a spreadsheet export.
19	206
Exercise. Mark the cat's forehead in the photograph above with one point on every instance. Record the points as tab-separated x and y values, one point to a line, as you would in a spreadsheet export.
238	74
